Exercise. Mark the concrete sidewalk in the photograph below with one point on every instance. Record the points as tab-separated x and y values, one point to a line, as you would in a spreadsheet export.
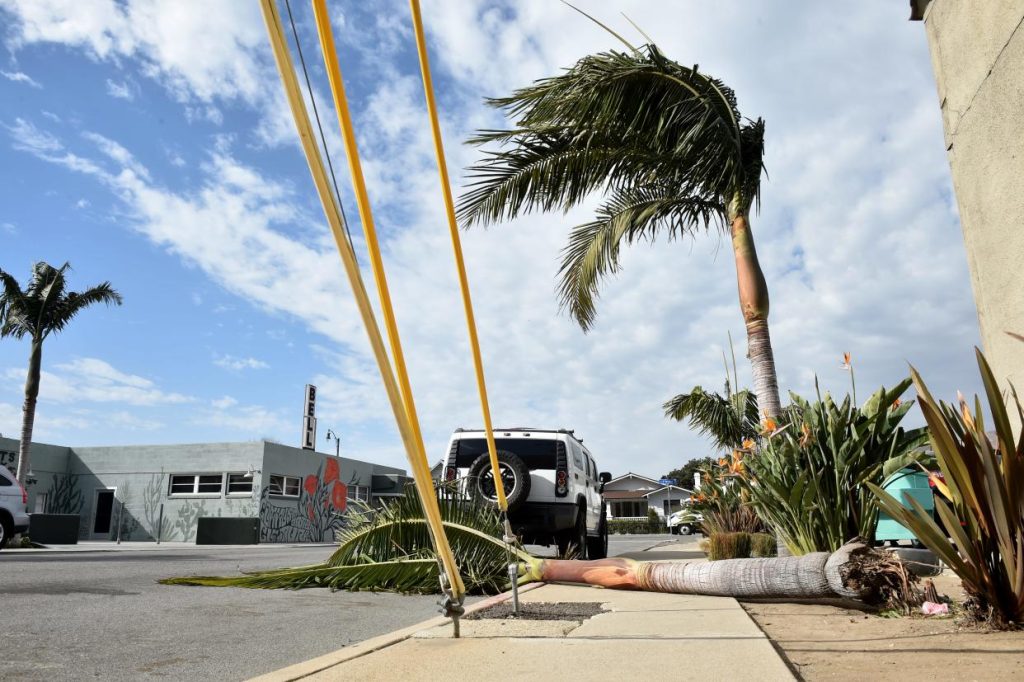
641	634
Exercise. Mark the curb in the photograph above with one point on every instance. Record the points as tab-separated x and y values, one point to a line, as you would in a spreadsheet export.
368	646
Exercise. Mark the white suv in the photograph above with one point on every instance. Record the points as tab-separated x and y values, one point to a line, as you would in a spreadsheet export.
13	500
551	483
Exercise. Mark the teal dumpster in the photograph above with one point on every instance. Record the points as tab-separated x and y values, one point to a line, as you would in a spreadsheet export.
904	484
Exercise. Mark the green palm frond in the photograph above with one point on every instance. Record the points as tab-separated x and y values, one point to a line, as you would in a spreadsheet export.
630	215
390	549
665	140
404	575
45	306
726	420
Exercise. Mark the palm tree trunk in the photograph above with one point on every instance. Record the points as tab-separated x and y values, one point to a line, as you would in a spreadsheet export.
753	291
854	571
28	418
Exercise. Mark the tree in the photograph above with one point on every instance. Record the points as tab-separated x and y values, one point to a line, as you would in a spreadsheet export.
727	420
44	307
684	475
666	145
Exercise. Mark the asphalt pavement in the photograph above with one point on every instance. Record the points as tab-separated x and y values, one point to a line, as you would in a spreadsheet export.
73	616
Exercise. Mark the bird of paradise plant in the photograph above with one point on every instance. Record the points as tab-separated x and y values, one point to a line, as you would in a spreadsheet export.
981	501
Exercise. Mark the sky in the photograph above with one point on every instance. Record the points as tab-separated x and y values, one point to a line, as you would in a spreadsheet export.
150	144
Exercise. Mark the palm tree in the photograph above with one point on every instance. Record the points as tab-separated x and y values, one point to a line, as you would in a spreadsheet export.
44	307
668	147
390	550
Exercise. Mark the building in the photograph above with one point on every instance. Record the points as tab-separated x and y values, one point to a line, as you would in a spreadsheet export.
631	496
977	51
145	492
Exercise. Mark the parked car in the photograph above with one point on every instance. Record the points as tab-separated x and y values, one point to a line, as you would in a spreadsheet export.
686	522
13	503
551	483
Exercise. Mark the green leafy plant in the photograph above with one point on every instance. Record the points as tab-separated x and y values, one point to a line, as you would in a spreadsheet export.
807	481
983	512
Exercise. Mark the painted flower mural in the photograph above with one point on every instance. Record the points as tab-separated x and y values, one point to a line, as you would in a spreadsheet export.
314	516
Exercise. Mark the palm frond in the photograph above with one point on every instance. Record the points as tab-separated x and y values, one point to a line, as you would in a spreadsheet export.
64	309
402	575
726	421
390	549
630	215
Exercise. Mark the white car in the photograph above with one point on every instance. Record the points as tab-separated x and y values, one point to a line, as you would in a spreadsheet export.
685	522
13	503
551	483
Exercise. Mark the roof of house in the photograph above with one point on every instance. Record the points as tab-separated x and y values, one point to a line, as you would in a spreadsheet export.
674	487
630	474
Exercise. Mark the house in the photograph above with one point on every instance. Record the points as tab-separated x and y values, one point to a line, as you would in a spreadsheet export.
631	496
146	492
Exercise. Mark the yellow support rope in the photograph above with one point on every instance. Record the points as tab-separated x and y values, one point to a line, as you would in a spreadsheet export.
453	227
418	456
410	435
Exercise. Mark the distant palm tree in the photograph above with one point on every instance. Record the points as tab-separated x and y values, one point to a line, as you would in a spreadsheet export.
665	142
727	420
43	308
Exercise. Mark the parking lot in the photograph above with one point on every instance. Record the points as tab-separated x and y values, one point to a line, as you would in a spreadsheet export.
102	614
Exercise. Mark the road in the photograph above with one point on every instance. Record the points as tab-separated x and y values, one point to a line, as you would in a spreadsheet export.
102	615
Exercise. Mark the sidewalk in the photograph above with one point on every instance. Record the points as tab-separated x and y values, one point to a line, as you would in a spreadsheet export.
641	634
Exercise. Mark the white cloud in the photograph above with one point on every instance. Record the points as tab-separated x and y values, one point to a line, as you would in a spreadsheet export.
9	228
91	380
248	421
122	90
198	51
19	77
237	364
82	203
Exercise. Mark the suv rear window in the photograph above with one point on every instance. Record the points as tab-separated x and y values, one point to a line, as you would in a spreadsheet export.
536	454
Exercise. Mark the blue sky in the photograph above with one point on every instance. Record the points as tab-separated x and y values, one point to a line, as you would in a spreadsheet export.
149	145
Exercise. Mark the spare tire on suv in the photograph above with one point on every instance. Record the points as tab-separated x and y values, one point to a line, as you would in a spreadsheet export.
514	475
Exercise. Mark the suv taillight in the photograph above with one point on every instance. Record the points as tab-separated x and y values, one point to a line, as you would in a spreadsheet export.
451	473
561	470
24	493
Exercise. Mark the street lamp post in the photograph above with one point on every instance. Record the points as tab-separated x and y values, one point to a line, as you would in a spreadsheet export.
337	442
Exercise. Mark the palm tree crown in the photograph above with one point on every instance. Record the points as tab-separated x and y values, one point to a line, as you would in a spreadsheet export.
665	142
45	306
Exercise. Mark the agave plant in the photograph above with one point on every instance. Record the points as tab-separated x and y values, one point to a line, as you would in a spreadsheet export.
807	480
984	507
389	549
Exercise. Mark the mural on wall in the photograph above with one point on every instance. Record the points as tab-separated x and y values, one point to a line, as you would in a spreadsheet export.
312	517
64	495
152	497
125	519
9	459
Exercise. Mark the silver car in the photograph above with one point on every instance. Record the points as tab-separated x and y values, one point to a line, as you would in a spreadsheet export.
13	503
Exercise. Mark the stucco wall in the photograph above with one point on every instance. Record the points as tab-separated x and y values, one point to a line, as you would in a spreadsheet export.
977	51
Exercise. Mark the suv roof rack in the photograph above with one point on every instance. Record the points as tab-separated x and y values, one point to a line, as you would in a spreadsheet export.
527	429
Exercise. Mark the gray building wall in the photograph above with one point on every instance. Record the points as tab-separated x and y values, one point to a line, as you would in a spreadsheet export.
68	480
977	51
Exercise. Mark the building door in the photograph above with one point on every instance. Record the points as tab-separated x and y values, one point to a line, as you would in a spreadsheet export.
102	512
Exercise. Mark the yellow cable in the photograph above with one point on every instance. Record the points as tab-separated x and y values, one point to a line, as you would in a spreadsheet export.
417	457
453	227
320	180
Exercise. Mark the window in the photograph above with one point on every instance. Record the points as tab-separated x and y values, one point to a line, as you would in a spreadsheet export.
286	486
577	458
197	484
239	484
592	468
358	492
4	481
536	454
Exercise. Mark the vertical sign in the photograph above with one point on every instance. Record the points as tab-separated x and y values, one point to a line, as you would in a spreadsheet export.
309	419
696	480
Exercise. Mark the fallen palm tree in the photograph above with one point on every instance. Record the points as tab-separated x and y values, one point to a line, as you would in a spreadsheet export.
390	550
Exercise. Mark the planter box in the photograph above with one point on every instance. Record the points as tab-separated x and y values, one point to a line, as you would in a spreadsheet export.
227	530
54	529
